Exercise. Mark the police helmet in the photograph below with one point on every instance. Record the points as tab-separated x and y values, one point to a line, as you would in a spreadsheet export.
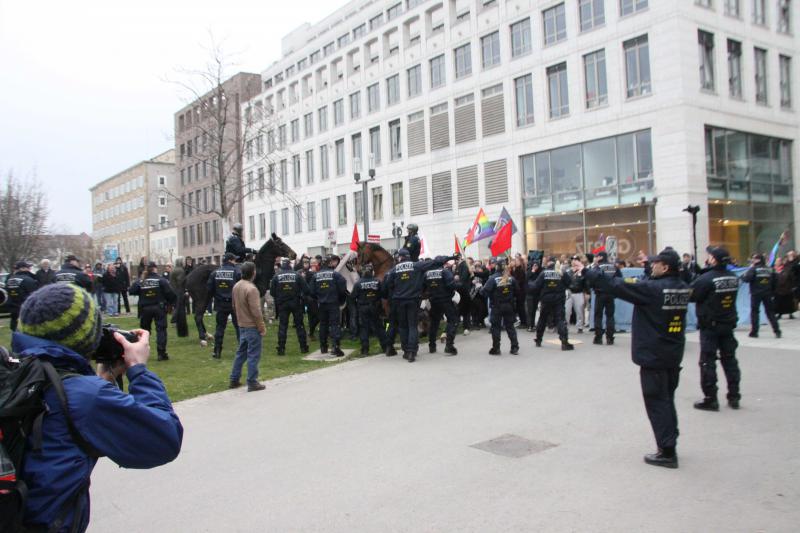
228	257
412	228
238	228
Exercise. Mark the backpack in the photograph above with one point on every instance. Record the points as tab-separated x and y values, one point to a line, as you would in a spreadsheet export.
22	409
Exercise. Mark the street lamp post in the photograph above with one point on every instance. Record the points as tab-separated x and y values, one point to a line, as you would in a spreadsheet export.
357	179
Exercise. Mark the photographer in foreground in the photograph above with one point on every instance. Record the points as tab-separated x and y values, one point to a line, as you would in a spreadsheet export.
61	325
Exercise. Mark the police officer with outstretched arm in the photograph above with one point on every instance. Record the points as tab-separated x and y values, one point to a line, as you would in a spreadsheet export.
329	288
762	280
500	289
552	286
715	293
154	294
367	295
220	287
604	302
657	342
288	288
71	272
235	244
441	285
19	286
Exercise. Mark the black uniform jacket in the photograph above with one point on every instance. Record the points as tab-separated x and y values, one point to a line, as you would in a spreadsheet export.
551	286
19	286
288	285
329	287
715	293
499	292
153	290
72	274
440	284
762	280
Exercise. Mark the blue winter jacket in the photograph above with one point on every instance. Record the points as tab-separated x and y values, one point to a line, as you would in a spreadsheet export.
135	430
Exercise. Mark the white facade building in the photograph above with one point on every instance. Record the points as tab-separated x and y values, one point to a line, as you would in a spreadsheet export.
584	118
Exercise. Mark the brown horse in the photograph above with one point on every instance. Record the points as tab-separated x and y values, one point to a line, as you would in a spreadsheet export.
381	260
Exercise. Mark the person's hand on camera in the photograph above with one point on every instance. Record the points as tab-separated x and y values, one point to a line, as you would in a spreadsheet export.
135	353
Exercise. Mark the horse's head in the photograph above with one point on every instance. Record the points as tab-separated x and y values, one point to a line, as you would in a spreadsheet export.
277	248
375	254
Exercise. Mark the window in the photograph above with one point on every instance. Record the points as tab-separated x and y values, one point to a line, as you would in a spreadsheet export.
284	177
325	209
285	221
414	80
356	142
322	115
309	167
298	219
296	171
735	68
705	43
340	157
341	209
273	221
282	136
523	90
760	12
594	69
338	113
397	199
438	76
377	203
358	206
271	186
704	3
394	140
324	172
375	21
392	90
784	16
490	50
521	38
373	98
761	75
786	81
359	31
732	8
261	182
251	226
627	7
308	125
162	181
592	14
463	60
394	11
375	145
555	24
185	235
262	225
558	90
637	66
295	129
355	105
343	40
162	201
311	215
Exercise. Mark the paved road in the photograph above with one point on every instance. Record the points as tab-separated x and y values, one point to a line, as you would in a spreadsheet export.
379	445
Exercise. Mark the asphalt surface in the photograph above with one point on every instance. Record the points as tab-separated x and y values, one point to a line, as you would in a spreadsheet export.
378	444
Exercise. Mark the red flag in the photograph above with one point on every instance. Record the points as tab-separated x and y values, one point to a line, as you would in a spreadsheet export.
458	247
502	240
354	240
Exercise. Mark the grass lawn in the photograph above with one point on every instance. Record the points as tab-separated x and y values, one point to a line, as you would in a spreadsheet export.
191	371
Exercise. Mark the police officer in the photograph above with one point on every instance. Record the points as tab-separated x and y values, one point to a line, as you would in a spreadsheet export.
552	286
412	242
500	290
715	293
404	283
393	320
288	288
308	269
154	294
71	273
657	342
19	286
604	302
762	280
531	294
235	244
367	295
220	287
329	288
441	285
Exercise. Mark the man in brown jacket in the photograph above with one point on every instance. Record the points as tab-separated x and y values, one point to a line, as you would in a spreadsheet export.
247	306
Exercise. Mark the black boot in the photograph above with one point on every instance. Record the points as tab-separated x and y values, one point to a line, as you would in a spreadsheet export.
566	346
666	458
281	351
538	343
778	334
610	341
431	348
163	355
412	356
597	340
390	351
323	348
450	349
495	350
733	402
364	349
753	334
337	351
514	350
217	352
709	403
304	348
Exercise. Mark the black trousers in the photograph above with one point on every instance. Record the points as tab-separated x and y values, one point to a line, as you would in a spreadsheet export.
554	311
531	306
157	314
352	317
370	323
521	311
312	308
224	309
393	324
755	312
464	305
603	305
295	309
14	320
503	317
329	318
658	390
713	340
123	295
407	318
446	309
478	311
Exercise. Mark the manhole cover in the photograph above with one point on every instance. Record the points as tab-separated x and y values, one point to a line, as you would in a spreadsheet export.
513	446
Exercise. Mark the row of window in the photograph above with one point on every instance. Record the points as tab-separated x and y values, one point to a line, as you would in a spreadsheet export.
117	191
199	201
119	209
207	232
120	227
758	11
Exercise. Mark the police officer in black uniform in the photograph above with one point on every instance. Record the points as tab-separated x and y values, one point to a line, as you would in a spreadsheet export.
71	273
531	294
604	302
309	302
288	288
762	280
329	288
235	244
500	289
552	286
19	286
412	242
715	293
367	295
220	287
154	294
657	342
441	285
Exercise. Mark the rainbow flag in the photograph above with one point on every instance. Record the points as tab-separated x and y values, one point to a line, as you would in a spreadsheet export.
773	255
480	229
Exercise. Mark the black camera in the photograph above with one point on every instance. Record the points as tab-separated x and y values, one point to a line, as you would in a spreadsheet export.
110	350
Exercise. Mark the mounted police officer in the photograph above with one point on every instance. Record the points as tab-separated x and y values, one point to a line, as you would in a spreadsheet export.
288	288
220	287
154	294
71	273
552	287
604	302
658	338
441	285
367	295
412	242
500	289
330	290
762	280
715	293
235	244
19	286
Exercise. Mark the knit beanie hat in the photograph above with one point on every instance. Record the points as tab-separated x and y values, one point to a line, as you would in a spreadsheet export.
63	313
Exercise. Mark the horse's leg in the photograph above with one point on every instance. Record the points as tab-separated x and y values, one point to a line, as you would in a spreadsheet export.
199	311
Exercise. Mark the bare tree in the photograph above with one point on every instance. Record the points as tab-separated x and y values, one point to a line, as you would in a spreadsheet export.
23	220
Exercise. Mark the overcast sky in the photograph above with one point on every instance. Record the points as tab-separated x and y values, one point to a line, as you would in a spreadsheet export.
83	93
